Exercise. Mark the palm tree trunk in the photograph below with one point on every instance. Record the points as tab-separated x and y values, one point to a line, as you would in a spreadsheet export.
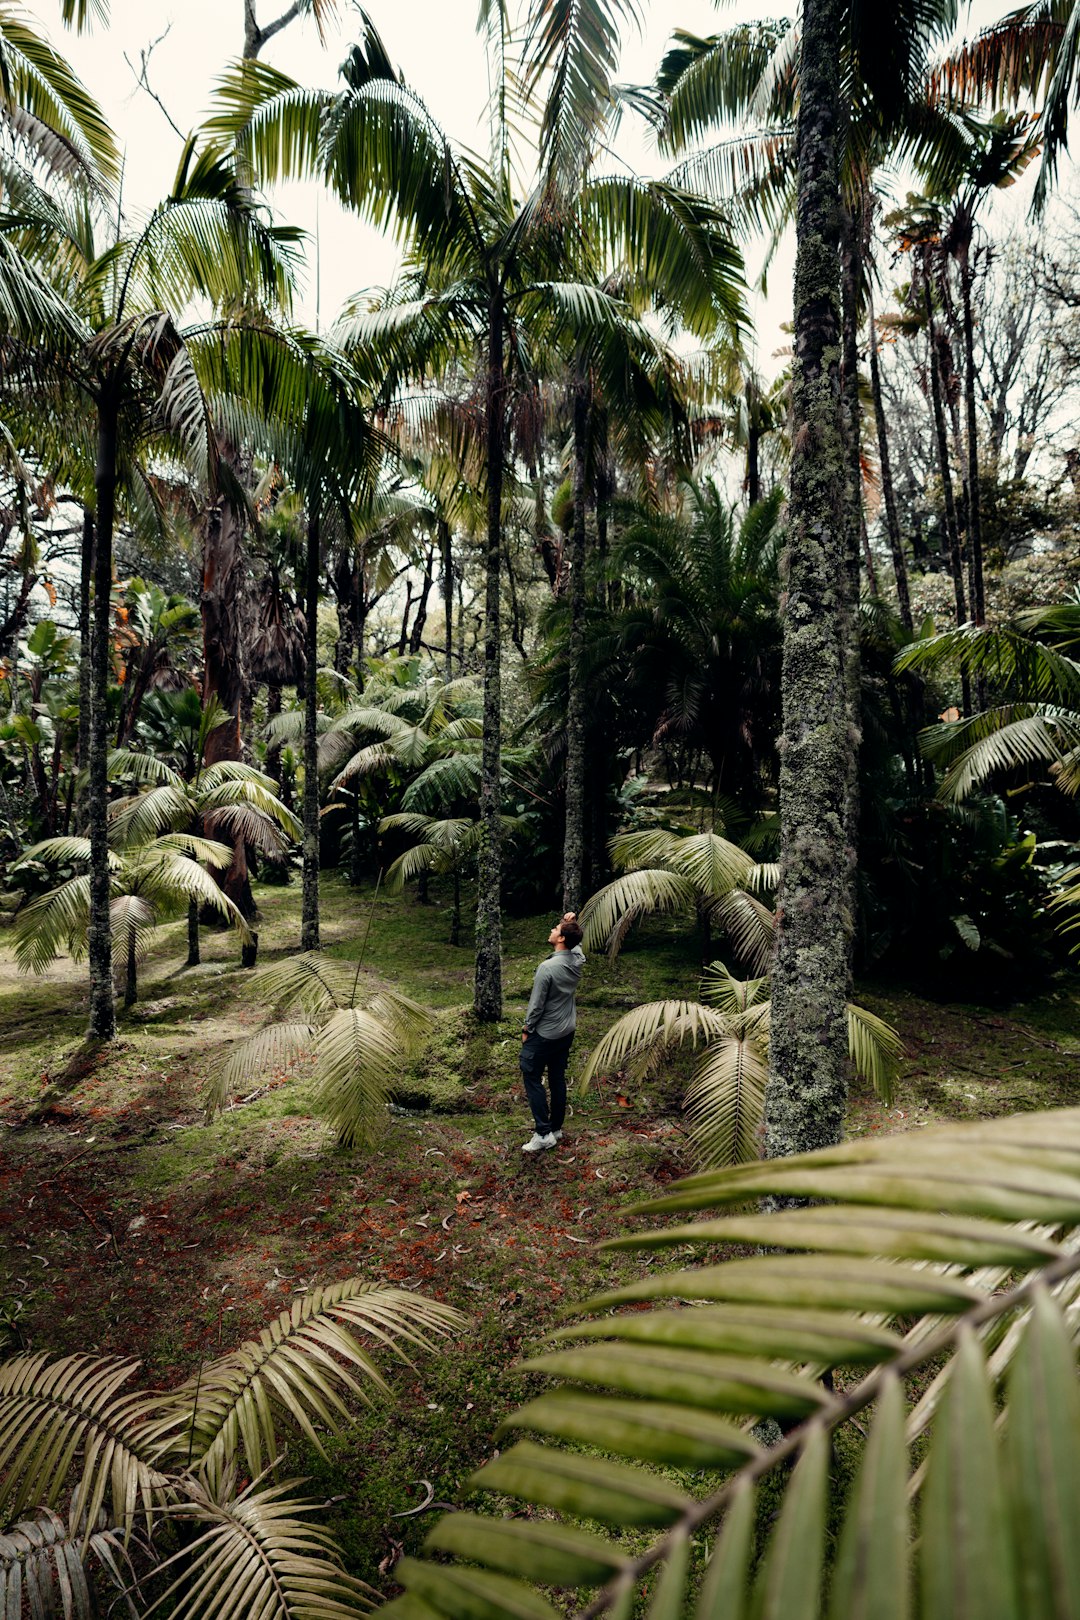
309	928
952	529
193	953
974	516
487	987
574	831
86	655
807	1085
355	864
753	466
455	915
446	553
888	493
102	1004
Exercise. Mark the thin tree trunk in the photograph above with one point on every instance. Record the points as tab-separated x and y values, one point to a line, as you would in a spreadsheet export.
404	636
487	989
102	1003
888	493
355	865
952	529
455	915
273	751
416	639
974	515
753	466
131	975
309	929
447	555
194	956
807	1085
86	654
574	830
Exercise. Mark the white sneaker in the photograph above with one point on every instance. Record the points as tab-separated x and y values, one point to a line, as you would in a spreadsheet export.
536	1142
557	1135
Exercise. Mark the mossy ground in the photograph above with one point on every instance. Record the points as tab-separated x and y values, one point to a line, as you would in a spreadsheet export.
130	1225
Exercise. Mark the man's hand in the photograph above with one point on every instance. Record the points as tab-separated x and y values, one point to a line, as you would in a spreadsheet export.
524	1036
569	916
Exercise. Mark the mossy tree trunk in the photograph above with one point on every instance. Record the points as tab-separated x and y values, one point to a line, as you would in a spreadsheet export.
487	986
131	973
309	925
888	492
99	942
974	514
807	1085
86	643
194	955
574	831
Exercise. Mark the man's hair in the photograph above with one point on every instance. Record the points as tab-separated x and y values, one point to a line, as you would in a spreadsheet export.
571	934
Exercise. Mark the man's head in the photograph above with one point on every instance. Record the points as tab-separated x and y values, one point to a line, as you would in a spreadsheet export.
566	934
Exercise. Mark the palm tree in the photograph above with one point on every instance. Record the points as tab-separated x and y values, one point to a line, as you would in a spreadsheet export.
485	283
725	1100
226	799
149	879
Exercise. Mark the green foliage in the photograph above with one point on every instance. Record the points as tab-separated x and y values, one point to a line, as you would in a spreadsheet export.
725	1099
361	1035
833	1286
70	1427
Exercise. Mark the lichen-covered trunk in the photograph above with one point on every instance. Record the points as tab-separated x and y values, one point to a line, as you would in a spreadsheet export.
487	984
974	514
416	637
102	1025
574	831
309	926
888	492
807	1085
222	606
447	555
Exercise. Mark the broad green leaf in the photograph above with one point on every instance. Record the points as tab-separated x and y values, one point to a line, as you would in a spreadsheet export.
588	1487
670	1588
687	1377
815	1282
540	1550
1042	1453
473	1594
870	1580
966	1548
844	1229
724	1589
685	1437
745	1330
790	1572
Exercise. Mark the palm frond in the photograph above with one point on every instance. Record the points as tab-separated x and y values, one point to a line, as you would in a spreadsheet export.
725	1101
273	1048
302	1368
259	1555
750	926
360	1052
52	923
641	1037
875	1049
133	922
310	980
729	995
45	1558
1014	736
56	1411
636	894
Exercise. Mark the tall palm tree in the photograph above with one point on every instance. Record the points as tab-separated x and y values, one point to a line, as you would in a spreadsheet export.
486	284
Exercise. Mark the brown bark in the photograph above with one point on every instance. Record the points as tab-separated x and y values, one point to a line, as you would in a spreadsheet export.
309	930
574	829
102	1003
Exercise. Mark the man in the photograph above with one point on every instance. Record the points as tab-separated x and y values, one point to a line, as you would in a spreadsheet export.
549	1032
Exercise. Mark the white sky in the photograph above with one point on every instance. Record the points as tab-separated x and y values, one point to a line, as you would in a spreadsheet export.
436	44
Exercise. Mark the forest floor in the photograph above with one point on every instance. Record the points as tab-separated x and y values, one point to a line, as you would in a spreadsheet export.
130	1225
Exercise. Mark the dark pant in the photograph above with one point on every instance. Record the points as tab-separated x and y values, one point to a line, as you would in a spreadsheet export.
537	1054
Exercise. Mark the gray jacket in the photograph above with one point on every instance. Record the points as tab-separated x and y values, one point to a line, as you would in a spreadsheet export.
551	1010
